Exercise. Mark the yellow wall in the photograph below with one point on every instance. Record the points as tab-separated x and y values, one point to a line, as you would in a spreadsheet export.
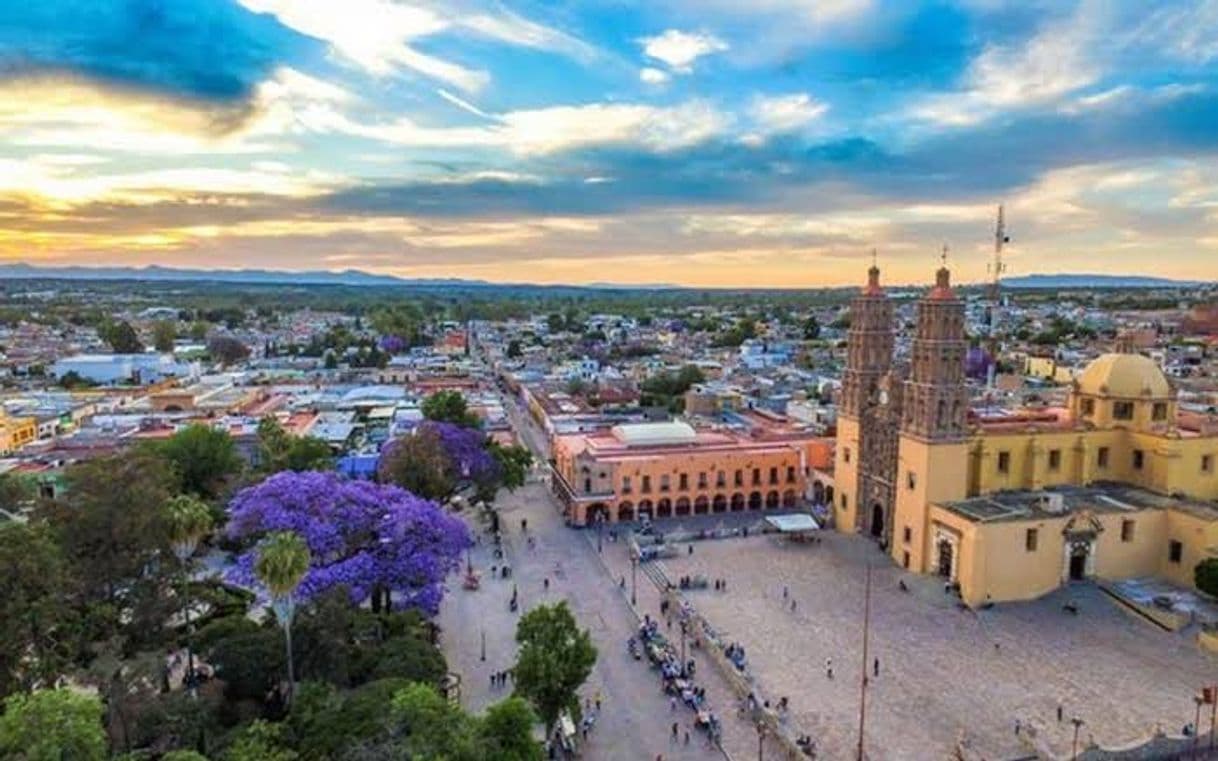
16	432
1197	535
846	475
940	475
1041	367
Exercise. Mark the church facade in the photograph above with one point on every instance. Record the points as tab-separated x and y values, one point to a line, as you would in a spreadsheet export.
1114	485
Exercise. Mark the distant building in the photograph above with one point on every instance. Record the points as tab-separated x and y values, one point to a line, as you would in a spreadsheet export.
123	368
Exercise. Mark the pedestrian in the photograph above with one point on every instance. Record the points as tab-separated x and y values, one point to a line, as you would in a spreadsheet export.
687	738
785	591
829	667
672	706
691	549
598	701
545	583
792	606
492	680
675	730
1059	713
875	667
524	525
1017	726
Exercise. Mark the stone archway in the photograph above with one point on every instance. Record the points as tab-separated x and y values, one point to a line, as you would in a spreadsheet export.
789	499
719	503
682	506
877	520
701	506
737	502
818	493
625	511
664	508
755	500
646	510
772	500
597	511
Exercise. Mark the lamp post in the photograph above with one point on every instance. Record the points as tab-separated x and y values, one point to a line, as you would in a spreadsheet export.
1198	700
760	740
1077	722
634	564
684	625
600	524
484	645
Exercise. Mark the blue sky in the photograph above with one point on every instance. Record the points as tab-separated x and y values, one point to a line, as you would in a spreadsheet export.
708	142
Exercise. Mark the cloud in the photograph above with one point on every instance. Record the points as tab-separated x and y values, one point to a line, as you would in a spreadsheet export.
462	104
382	36
653	76
214	51
784	113
678	50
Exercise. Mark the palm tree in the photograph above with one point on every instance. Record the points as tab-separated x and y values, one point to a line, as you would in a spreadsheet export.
283	560
189	520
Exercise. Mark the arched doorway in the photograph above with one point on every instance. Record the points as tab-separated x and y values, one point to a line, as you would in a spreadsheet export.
682	507
596	512
877	520
818	493
664	508
1079	551
719	504
789	499
737	502
828	495
755	500
701	506
645	509
944	567
625	511
771	499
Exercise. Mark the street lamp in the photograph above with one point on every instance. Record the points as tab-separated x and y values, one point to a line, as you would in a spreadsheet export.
600	524
684	624
760	740
1077	722
634	564
1197	723
484	645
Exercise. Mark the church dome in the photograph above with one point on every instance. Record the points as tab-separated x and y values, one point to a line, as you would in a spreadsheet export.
1124	375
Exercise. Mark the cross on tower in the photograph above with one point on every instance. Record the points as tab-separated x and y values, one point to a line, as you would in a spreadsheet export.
943	256
874	256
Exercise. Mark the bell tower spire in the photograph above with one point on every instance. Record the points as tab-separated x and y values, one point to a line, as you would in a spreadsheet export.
936	399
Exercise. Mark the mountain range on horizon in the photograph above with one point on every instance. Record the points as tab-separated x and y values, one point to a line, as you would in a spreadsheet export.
354	277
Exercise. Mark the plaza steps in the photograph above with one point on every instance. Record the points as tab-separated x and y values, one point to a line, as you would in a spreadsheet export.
654	570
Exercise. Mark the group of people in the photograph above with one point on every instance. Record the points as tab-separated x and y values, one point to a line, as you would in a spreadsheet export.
677	677
501	678
735	653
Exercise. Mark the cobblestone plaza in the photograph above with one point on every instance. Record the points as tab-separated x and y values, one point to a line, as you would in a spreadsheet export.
944	673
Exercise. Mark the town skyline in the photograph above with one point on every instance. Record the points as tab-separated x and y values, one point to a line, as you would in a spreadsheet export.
687	143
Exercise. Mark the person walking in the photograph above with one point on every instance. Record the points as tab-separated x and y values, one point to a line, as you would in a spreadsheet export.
875	667
829	667
1059	713
687	738
676	728
785	592
792	606
545	583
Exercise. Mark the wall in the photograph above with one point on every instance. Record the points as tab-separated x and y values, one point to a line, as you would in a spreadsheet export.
940	475
846	475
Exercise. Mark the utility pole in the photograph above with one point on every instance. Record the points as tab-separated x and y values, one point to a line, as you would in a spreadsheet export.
863	683
1197	725
996	268
1077	722
634	565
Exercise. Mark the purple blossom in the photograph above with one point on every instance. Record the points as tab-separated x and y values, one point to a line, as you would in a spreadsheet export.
466	451
393	344
362	535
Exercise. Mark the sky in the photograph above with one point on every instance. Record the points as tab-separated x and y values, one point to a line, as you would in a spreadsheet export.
699	142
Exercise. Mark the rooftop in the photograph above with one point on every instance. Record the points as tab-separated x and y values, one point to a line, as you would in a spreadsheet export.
1064	500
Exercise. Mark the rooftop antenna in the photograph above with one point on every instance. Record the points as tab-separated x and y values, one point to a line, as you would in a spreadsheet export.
943	256
996	268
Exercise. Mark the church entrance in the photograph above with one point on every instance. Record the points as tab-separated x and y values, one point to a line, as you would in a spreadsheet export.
1078	562
877	521
945	559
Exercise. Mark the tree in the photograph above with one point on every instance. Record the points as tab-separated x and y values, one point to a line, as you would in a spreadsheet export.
51	725
377	541
282	562
36	627
17	492
514	463
72	380
1205	576
189	521
555	323
419	464
513	349
434	727
449	407
506	732
111	525
121	337
226	350
251	664
205	458
260	741
811	328
554	660
164	333
280	451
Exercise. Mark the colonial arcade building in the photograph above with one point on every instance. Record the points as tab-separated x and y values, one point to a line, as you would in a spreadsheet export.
1116	484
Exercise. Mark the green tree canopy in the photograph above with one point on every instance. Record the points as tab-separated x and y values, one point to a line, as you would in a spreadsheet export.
513	349
419	464
811	328
52	725
280	450
37	628
449	407
260	741
121	337
554	661
164	333
227	350
1205	576
506	732
204	458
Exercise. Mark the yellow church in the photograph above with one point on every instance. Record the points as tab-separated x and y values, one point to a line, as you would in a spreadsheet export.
1009	506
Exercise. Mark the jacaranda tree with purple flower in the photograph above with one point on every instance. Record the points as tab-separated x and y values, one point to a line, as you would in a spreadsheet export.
380	542
437	458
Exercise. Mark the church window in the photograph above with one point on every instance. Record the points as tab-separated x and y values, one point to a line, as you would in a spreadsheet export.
721	479
1127	530
1004	462
1138	459
1175	551
773	475
1030	539
1122	410
1088	407
1159	411
911	480
625	484
1101	457
702	480
1207	463
664	482
907	534
684	481
790	474
646	484
587	485
740	478
756	476
844	502
846	454
1055	459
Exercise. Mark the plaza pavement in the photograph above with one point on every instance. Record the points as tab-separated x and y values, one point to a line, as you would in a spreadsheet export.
635	722
945	673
